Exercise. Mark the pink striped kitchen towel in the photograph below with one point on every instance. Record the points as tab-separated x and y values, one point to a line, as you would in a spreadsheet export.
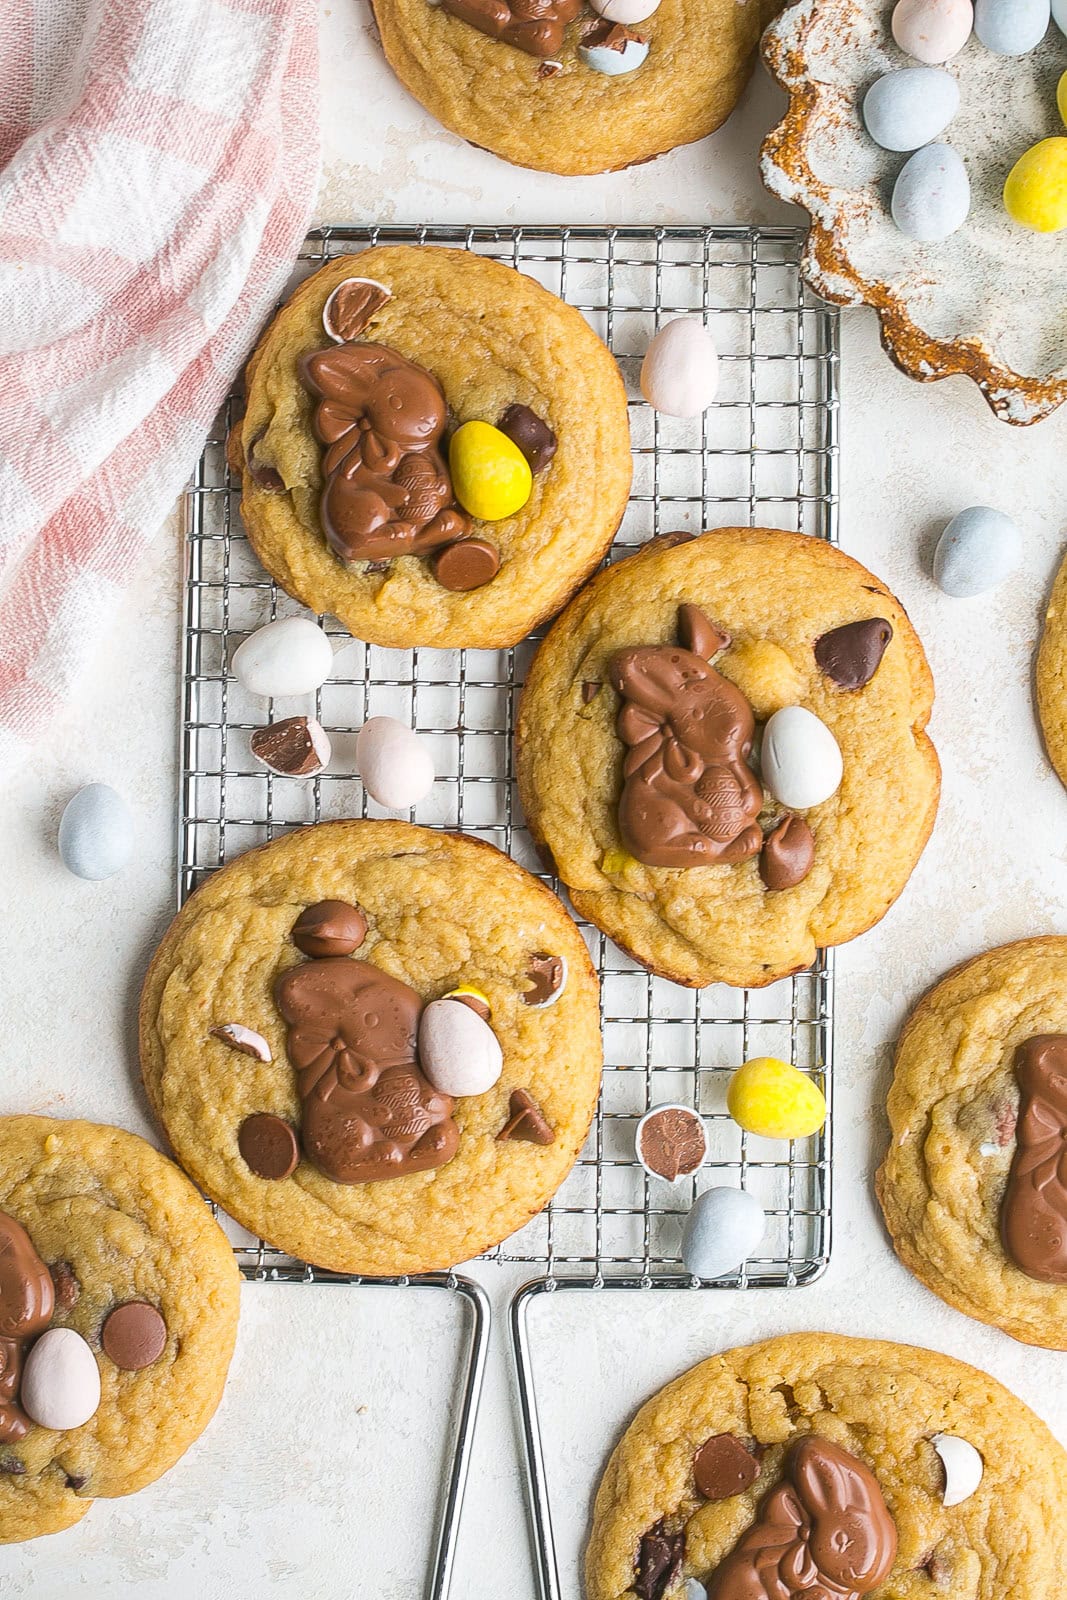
158	166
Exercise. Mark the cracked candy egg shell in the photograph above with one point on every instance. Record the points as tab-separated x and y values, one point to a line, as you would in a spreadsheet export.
719	923
949	307
441	910
883	1403
129	1226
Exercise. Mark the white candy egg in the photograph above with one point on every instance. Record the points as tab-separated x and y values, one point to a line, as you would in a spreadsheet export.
964	1467
458	1050
906	109
800	760
722	1230
60	1381
95	833
628	12
695	1590
394	763
1011	27
615	63
932	194
932	31
978	549
289	656
680	372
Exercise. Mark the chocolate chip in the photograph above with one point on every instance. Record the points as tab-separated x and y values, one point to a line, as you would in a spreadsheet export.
608	35
547	975
268	1145
66	1285
697	633
296	747
12	1467
533	436
329	928
851	655
76	1480
724	1466
659	1562
936	1567
788	854
526	1120
263	475
134	1335
590	691
377	566
467	564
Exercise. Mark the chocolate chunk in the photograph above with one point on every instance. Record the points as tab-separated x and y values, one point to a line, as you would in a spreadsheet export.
263	475
474	1002
134	1335
329	928
66	1285
526	1120
1005	1117
697	633
296	747
76	1480
937	1569
246	1041
659	1562
533	436
467	564
12	1467
724	1466
377	566
351	307
268	1145
548	976
590	691
608	35
788	854
673	1142
536	26
851	655
550	69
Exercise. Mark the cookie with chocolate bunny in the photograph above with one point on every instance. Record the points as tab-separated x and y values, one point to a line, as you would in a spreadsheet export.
434	448
974	1183
815	1464
119	1296
721	750
376	1045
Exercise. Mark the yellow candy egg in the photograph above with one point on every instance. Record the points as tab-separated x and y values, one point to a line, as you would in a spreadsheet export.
491	477
775	1100
1036	191
1061	97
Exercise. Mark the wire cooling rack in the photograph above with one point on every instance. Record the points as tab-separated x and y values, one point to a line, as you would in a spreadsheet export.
765	454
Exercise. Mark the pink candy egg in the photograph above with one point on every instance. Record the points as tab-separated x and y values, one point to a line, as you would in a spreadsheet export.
932	31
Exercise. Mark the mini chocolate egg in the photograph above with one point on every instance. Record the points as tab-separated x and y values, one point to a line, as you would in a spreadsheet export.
979	548
60	1381
932	194
625	11
394	763
932	31
95	833
458	1050
1035	194
1011	27
680	372
907	109
491	478
775	1100
289	656
800	760
613	49
723	1228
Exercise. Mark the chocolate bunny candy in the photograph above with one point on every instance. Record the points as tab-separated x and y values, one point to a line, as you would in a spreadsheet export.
1033	1218
535	26
27	1299
380	420
689	795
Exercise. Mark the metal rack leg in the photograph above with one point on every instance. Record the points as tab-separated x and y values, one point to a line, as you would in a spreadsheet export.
544	1541
445	1553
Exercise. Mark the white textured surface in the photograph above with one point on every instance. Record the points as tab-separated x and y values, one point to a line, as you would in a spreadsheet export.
294	1489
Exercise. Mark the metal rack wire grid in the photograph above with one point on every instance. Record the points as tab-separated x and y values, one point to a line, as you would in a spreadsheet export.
765	453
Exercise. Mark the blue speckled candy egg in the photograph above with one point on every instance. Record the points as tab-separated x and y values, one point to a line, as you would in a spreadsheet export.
977	551
722	1230
1011	27
626	54
906	109
932	194
96	833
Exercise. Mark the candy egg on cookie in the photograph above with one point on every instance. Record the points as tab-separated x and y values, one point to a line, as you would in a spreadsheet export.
800	760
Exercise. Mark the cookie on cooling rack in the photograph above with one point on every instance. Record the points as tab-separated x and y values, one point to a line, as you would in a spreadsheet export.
435	449
118	1311
971	1187
376	1045
705	859
817	1464
560	86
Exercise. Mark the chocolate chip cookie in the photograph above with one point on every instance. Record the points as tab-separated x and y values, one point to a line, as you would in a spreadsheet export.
721	748
376	1045
514	76
435	449
971	1186
118	1312
815	1464
1051	675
